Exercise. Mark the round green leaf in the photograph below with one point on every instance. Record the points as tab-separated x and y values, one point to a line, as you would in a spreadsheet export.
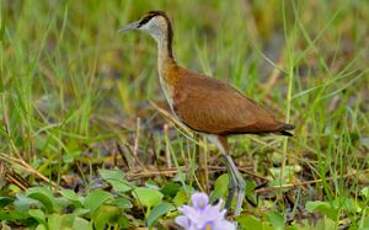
95	199
147	197
116	179
159	210
44	196
38	215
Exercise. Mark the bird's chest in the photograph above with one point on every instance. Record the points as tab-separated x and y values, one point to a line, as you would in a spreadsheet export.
170	82
174	95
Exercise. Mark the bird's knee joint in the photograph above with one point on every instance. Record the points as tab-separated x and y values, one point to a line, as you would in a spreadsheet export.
241	185
232	186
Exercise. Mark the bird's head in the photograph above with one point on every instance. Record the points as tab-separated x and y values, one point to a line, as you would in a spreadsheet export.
155	23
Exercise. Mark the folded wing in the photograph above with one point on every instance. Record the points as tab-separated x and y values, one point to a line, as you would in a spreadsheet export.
211	106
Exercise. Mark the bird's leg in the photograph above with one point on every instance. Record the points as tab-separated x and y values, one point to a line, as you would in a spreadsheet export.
236	183
232	185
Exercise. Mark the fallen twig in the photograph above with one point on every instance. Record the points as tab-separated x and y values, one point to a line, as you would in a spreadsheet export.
26	167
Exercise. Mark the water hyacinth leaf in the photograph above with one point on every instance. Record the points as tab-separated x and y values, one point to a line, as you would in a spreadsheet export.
246	221
180	198
123	222
220	188
147	197
170	189
13	215
116	179
46	203
55	222
115	174
70	195
152	184
105	214
62	202
123	203
44	196
23	203
60	221
41	227
4	201
81	224
276	220
322	207
158	211
81	211
38	215
95	199
68	220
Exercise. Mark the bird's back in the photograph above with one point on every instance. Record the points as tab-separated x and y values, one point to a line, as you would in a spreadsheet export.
211	106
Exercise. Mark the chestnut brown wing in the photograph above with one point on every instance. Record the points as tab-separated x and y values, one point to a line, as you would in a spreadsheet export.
211	106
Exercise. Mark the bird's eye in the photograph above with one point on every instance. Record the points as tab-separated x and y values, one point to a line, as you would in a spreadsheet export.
145	20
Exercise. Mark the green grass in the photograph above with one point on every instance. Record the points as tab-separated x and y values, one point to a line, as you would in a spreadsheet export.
71	89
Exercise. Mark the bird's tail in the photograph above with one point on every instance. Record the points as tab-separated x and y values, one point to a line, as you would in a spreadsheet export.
283	129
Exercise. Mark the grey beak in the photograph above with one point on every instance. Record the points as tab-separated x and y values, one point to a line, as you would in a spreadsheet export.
131	26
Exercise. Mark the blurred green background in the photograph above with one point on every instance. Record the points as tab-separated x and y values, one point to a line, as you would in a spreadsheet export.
71	86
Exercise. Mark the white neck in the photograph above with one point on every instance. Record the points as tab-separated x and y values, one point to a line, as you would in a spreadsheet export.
164	57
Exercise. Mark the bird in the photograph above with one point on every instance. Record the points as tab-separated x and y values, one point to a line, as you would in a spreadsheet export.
204	104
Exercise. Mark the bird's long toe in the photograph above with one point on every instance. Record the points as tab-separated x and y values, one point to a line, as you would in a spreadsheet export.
232	188
241	187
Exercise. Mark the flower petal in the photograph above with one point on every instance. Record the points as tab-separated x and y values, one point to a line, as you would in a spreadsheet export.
183	221
191	213
202	214
200	200
212	213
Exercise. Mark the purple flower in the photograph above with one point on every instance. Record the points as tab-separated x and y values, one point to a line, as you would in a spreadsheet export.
203	216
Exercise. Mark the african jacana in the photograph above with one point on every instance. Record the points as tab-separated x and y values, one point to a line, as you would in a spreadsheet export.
206	105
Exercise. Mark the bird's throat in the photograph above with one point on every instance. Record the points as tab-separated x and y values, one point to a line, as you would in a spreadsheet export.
165	55
167	69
